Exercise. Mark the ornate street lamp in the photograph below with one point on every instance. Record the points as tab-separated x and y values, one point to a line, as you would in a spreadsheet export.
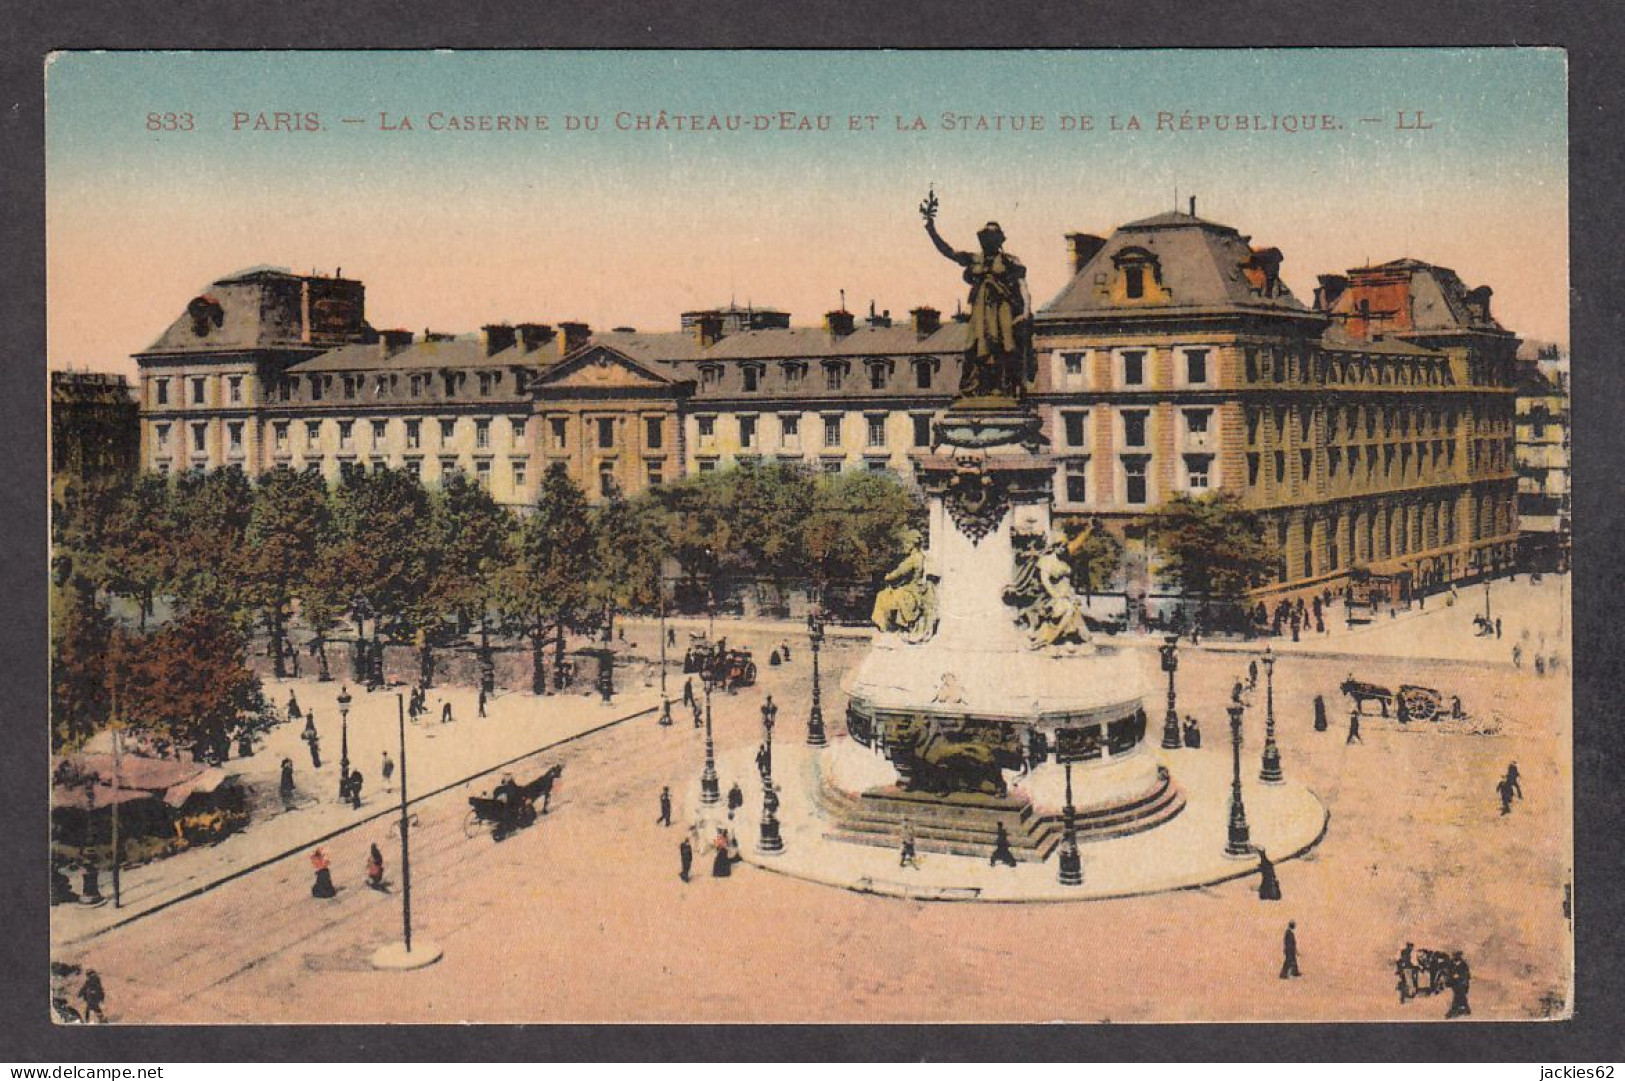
770	714
1239	843
815	720
1270	773
1071	863
1170	664
344	743
710	789
771	843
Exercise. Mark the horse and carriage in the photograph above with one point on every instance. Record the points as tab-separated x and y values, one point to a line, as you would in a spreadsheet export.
723	667
511	806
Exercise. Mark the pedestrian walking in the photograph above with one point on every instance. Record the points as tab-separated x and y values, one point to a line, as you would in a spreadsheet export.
1193	733
665	806
1354	728
323	886
762	760
1513	781
285	787
295	663
1001	848
1498	626
1252	675
1458	980
375	869
315	750
688	690
445	712
671	637
1540	665
293	707
1504	790
1269	884
1320	713
1517	655
736	799
784	650
1289	952
685	853
699	721
482	701
721	865
355	789
93	995
908	858
388	771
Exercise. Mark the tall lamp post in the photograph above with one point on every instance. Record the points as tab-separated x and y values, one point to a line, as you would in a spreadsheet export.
1239	843
1270	771
344	743
772	842
665	699
405	955
1170	664
815	720
710	789
1071	863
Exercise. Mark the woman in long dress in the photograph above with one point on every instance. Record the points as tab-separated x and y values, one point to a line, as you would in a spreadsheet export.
323	886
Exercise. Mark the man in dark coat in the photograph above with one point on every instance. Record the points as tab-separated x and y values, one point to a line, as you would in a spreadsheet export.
1289	952
482	701
1504	790
1001	849
1269	885
665	806
286	785
736	799
1512	779
1354	728
1193	733
1320	713
355	789
94	995
685	853
1458	980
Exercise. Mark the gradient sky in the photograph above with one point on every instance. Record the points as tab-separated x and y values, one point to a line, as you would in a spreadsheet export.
452	230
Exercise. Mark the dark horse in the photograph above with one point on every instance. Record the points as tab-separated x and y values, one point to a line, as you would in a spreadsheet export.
1367	692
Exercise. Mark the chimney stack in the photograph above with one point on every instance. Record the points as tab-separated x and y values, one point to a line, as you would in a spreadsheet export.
925	320
708	329
1083	247
572	336
881	320
838	323
1330	288
391	342
498	336
532	336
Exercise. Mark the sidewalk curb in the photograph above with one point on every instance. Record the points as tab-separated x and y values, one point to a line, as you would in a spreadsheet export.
198	891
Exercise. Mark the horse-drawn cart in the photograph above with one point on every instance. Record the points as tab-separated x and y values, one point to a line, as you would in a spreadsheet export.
510	806
724	667
1419	703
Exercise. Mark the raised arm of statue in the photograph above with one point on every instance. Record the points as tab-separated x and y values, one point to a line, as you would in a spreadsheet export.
947	249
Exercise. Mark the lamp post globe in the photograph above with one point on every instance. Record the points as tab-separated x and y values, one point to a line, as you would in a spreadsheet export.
1270	768
344	742
1170	664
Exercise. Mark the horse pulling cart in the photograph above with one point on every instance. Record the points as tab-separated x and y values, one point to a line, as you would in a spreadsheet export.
1419	703
510	806
724	667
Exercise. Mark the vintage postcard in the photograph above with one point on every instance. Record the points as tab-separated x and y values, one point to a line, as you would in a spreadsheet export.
809	537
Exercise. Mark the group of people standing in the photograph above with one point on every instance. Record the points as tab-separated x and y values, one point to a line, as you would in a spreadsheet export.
1428	972
323	888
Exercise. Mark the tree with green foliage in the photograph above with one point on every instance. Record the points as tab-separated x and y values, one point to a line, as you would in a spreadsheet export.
189	682
1210	547
208	517
287	528
379	563
470	535
1094	554
699	526
854	532
630	546
544	586
767	506
81	638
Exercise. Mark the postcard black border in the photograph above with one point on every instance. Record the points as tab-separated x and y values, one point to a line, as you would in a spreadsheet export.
1591	32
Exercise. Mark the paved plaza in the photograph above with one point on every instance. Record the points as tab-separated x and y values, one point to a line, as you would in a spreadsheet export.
582	917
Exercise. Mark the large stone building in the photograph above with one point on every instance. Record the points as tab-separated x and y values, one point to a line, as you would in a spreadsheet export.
1372	426
1544	509
95	425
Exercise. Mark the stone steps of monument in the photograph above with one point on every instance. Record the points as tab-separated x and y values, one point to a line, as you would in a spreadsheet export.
970	830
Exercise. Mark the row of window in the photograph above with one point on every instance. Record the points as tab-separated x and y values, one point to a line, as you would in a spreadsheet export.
1351	420
1196	423
878	374
319	386
1352	463
1196	472
197	389
1130	368
789	425
604	432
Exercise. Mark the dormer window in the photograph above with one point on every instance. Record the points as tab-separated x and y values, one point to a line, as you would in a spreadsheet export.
834	374
710	375
879	374
751	375
794	373
1139	270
